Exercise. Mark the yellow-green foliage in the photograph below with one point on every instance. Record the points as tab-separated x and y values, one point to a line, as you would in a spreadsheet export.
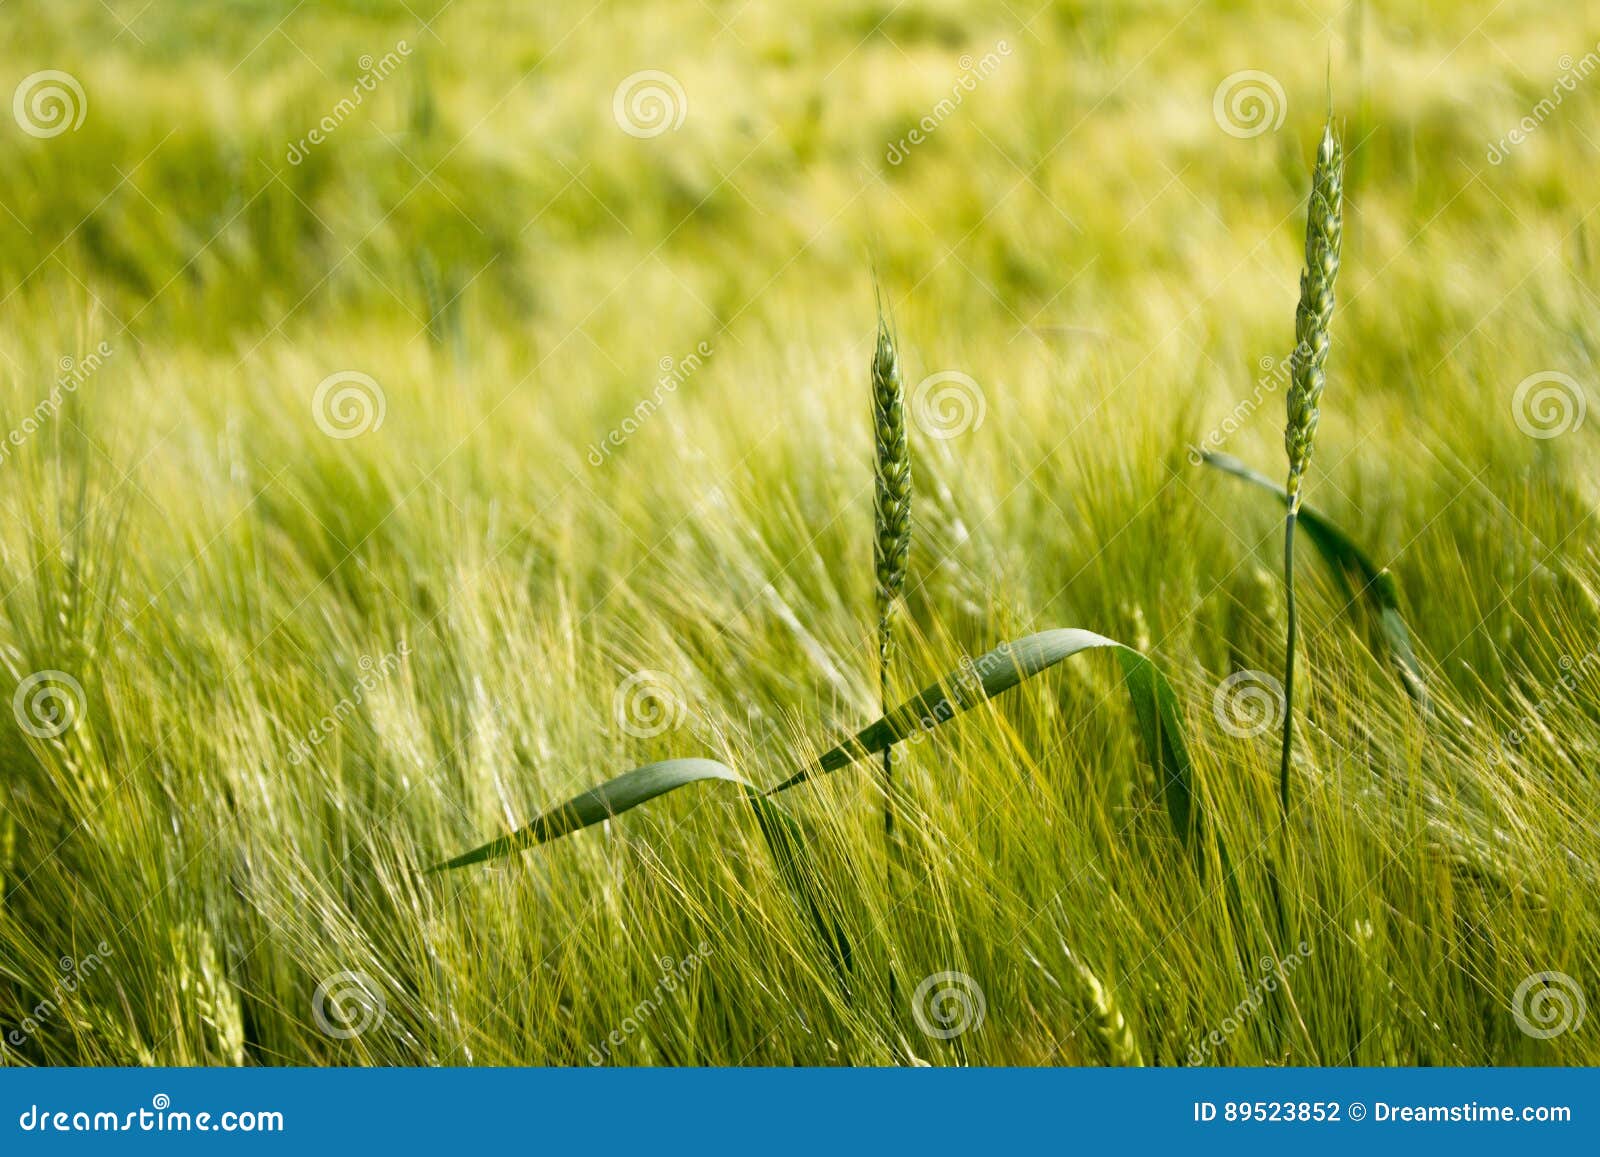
308	665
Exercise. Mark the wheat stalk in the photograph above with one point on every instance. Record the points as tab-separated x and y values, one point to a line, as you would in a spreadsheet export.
891	541
1308	377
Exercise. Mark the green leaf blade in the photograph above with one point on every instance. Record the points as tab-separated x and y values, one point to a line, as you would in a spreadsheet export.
1155	708
779	829
1359	576
612	798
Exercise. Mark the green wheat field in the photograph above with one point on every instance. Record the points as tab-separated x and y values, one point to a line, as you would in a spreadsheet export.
415	414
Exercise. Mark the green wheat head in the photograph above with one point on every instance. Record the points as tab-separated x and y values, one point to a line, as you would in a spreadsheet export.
1106	1019
1307	378
1324	228
891	542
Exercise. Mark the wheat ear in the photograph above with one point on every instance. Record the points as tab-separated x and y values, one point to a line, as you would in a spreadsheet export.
891	541
1308	376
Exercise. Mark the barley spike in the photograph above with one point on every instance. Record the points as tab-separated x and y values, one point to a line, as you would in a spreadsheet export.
1106	1018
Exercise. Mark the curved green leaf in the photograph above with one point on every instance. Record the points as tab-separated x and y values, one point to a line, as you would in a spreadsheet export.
1358	575
1155	707
611	798
643	784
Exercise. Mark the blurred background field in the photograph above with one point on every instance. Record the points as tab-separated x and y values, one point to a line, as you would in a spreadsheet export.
370	503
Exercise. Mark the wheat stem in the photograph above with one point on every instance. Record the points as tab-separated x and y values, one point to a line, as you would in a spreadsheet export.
1288	673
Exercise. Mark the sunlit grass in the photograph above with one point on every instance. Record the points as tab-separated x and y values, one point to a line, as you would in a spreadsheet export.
219	575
